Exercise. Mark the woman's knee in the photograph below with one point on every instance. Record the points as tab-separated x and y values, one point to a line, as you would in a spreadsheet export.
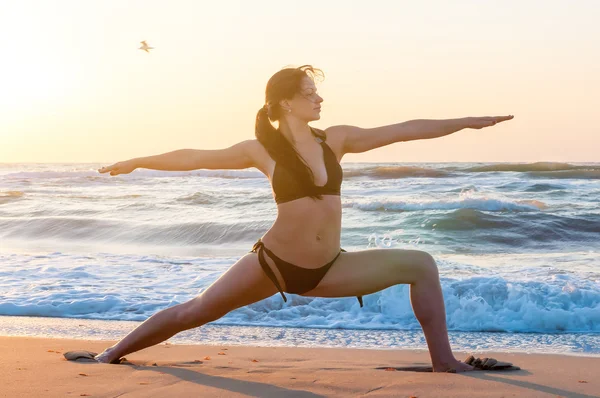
424	263
430	265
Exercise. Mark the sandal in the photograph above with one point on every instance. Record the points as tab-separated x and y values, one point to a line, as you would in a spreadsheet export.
76	355
87	356
489	364
477	363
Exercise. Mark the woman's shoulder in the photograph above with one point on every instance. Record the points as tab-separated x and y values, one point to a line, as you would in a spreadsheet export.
334	136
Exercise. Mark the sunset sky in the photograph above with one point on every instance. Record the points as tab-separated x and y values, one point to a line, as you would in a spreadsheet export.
75	88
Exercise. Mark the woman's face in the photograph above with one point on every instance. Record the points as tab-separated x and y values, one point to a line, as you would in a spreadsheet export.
306	104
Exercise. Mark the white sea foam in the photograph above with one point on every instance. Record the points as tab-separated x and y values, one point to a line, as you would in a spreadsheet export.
101	286
517	252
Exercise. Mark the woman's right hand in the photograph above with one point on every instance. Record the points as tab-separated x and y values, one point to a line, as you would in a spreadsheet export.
125	167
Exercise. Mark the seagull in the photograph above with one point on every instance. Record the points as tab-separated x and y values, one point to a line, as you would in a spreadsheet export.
145	46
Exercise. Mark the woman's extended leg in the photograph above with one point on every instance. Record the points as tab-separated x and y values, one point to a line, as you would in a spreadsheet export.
243	284
368	271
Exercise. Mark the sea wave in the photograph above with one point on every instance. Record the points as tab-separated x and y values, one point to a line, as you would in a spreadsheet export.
485	204
562	303
140	173
383	172
531	167
524	227
125	232
567	174
11	196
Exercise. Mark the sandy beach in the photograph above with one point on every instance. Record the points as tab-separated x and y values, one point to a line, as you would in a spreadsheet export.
35	367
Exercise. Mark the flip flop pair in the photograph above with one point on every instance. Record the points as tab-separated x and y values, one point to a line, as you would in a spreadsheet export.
87	356
489	364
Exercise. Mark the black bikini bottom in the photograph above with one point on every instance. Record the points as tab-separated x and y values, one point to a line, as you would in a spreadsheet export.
298	280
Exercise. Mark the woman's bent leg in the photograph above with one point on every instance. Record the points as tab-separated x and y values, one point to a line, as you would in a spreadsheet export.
243	284
369	271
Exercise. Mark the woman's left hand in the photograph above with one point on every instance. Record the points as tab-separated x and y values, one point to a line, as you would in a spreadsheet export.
486	121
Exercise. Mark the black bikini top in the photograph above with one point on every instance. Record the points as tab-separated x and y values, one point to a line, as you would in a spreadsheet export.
286	187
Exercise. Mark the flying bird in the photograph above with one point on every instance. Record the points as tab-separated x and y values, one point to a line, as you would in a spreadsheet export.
145	46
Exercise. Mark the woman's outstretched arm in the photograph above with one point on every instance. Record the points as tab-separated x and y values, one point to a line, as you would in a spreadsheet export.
238	156
358	139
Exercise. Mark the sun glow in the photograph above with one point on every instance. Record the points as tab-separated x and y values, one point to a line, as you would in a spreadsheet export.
38	73
71	74
30	77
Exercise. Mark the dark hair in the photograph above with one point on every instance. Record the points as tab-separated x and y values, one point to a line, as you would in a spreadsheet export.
284	85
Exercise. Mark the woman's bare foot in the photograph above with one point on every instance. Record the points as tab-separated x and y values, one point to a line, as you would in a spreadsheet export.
107	356
456	367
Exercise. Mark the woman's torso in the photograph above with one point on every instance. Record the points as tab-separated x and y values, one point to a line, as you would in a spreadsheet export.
306	231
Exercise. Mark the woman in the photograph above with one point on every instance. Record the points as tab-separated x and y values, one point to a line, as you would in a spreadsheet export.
301	252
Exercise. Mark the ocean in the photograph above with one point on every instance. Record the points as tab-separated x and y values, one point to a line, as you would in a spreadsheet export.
87	255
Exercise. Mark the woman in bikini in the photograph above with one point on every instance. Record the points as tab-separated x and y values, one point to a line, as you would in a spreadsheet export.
301	252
